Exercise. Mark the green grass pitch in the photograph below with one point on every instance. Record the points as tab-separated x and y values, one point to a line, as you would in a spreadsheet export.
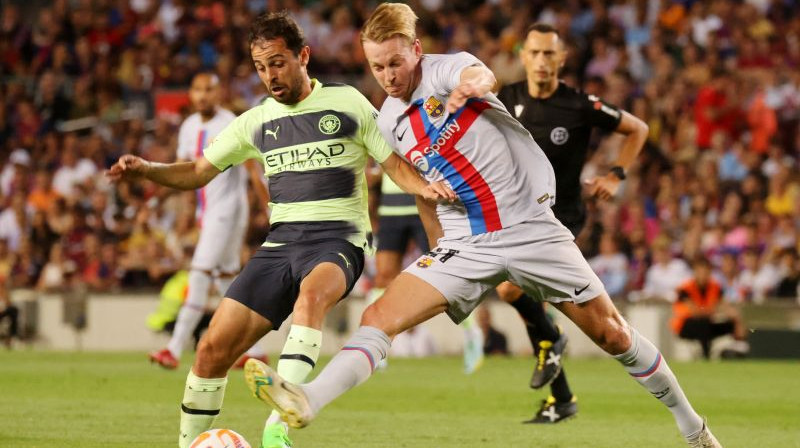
69	400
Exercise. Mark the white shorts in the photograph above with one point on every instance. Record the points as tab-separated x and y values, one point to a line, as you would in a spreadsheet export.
539	255
219	247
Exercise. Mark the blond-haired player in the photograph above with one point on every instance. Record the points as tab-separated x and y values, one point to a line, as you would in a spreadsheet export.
502	228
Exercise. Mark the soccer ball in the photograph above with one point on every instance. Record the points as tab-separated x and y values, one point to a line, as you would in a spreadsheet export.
219	438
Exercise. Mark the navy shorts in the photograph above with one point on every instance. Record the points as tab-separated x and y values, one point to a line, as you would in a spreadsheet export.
394	232
270	281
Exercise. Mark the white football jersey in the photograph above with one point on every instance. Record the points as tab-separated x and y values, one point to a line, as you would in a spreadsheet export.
226	191
501	176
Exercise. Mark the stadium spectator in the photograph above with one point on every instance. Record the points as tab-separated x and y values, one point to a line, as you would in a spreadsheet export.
9	317
715	81
14	173
789	268
666	273
611	266
699	313
729	279
54	272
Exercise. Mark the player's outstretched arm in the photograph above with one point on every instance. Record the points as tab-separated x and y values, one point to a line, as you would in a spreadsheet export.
407	178
475	82
181	175
635	131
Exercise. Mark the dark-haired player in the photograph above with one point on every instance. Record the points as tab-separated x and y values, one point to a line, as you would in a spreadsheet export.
313	141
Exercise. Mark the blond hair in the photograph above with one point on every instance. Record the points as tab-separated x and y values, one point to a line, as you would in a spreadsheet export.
390	20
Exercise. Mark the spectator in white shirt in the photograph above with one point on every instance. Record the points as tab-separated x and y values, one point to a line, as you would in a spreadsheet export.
14	221
729	280
72	173
17	166
666	274
611	266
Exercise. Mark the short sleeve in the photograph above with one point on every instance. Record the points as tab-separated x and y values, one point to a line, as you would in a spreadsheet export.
233	146
377	146
600	114
447	69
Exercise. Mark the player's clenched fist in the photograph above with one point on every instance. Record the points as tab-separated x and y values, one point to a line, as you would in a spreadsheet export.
436	191
604	187
127	167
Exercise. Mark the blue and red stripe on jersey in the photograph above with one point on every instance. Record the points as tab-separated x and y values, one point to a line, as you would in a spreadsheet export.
466	181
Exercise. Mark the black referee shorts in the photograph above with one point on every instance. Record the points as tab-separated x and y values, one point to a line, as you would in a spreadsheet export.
270	281
394	233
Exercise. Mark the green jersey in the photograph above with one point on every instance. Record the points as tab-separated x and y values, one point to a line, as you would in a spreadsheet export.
395	201
314	154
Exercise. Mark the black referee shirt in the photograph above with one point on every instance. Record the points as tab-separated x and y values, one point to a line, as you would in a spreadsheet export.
562	124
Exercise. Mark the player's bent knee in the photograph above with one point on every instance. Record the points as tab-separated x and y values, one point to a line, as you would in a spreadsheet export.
313	304
375	317
615	338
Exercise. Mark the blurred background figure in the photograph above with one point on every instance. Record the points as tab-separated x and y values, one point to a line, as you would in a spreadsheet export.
494	342
701	314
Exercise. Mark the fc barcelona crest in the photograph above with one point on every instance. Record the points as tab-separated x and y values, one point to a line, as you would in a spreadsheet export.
433	107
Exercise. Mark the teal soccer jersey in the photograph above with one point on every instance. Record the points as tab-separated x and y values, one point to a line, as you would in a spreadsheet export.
314	154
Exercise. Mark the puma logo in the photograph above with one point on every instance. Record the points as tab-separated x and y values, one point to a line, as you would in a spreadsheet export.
274	133
347	262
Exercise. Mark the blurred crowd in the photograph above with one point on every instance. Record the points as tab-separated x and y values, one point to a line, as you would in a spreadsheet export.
718	82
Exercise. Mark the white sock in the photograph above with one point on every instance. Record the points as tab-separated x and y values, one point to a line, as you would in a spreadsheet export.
191	312
202	400
298	358
350	367
645	364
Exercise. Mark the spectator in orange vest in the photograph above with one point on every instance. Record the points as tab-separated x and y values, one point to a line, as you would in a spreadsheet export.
700	314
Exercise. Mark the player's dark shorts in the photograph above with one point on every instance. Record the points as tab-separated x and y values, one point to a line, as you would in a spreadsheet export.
270	281
394	232
702	328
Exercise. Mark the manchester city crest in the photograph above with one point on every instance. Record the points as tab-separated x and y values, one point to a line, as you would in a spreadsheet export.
329	124
433	107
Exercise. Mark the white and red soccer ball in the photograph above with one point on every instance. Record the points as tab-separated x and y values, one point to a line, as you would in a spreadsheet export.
219	438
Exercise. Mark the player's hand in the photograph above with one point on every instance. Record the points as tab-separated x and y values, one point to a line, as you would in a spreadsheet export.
459	96
603	187
127	167
436	191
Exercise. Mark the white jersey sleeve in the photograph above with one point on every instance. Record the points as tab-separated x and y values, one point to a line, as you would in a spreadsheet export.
446	72
185	134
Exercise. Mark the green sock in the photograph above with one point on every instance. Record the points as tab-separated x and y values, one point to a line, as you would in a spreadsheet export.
202	400
298	358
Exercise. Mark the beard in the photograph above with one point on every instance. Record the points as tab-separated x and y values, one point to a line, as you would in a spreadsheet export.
292	91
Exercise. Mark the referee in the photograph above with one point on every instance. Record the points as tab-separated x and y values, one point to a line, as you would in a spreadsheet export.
561	119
